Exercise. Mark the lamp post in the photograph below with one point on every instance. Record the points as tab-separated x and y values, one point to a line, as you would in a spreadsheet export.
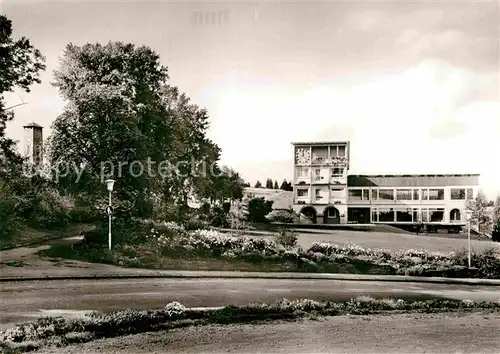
109	210
469	216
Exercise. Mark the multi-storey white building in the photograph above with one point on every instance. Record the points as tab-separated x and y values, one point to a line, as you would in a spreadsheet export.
327	194
320	181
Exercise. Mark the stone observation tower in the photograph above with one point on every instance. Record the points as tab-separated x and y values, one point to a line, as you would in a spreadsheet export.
33	143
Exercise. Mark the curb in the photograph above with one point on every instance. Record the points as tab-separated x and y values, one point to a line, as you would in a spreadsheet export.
278	276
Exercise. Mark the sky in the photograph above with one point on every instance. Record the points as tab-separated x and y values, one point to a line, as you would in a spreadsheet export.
413	85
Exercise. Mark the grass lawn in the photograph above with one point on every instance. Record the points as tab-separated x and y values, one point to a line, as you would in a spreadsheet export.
392	241
148	260
30	235
148	256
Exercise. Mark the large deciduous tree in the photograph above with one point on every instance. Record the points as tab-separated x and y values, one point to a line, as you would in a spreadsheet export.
114	121
222	184
121	110
20	66
194	155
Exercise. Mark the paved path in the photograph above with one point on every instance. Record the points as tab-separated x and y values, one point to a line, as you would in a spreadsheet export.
27	299
22	300
408	333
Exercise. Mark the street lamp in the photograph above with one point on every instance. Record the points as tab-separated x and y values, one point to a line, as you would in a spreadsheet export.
469	216
109	210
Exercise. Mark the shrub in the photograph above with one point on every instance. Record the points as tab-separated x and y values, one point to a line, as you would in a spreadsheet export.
495	235
196	223
238	215
413	262
286	238
215	243
131	232
204	211
52	209
61	331
219	218
284	216
258	208
84	210
171	226
9	220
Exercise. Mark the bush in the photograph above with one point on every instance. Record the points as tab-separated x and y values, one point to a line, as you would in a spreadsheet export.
51	209
286	238
196	223
219	218
238	216
258	208
131	232
9	220
284	216
84	210
495	235
204	211
414	262
215	243
63	331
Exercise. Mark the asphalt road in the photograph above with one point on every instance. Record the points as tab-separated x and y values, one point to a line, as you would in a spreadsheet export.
24	300
405	333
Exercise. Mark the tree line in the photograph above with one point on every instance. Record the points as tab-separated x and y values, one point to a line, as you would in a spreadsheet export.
286	186
120	108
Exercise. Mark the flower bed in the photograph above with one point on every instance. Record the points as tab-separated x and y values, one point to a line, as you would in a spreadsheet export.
58	331
171	246
413	262
321	256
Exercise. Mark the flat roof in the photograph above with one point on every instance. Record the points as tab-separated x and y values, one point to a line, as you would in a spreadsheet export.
420	175
416	180
319	142
32	125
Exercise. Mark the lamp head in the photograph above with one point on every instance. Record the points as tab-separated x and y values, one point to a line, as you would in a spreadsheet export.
109	184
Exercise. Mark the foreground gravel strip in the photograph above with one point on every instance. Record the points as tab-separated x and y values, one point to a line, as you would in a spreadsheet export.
403	333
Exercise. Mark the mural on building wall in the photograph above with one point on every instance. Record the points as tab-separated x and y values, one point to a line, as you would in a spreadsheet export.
303	156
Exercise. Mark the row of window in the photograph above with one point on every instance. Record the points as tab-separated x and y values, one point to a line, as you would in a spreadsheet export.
304	192
412	215
323	153
409	194
303	172
396	194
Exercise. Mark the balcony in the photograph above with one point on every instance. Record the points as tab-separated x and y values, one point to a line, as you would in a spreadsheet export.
338	180
320	200
320	180
336	201
302	180
302	200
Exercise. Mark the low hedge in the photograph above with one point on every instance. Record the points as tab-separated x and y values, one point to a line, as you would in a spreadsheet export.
148	245
63	331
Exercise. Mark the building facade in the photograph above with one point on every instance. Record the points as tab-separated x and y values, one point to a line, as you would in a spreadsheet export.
326	193
320	181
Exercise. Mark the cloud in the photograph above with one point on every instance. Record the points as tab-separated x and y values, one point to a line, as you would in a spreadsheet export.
420	120
447	129
409	83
